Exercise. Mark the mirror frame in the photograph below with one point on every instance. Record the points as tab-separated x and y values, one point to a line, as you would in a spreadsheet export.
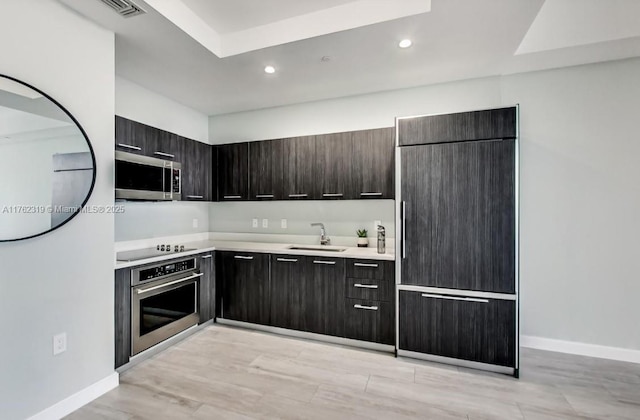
93	159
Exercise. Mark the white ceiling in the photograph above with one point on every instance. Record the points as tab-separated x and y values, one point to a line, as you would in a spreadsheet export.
453	40
233	16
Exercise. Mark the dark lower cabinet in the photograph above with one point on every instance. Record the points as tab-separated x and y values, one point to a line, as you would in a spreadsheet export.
370	321
324	312
478	330
122	316
291	289
207	286
245	286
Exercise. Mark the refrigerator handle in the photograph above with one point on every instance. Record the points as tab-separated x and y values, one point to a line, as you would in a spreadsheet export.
404	236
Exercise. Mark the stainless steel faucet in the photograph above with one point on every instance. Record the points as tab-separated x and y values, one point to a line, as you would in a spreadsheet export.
324	239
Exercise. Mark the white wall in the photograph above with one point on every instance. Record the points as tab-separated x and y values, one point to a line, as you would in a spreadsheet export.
61	282
143	105
579	175
152	220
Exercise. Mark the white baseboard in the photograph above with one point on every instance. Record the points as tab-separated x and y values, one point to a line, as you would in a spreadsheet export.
79	399
582	349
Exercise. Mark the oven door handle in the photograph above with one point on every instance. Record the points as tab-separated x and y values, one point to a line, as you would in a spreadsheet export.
171	283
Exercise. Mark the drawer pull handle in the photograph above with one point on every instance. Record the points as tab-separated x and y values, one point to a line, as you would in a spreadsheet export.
365	265
332	195
242	257
368	308
370	194
198	197
464	299
232	196
287	260
128	146
298	195
264	196
366	286
204	257
324	262
169	155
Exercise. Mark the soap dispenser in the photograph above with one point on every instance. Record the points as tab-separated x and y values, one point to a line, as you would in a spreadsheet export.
381	240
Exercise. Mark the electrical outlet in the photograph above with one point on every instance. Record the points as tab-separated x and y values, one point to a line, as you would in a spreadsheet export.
376	223
254	223
283	223
195	223
265	223
59	343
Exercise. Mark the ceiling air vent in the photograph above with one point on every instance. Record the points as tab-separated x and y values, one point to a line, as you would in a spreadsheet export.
125	8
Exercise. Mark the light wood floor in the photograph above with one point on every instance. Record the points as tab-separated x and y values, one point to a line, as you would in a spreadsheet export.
226	373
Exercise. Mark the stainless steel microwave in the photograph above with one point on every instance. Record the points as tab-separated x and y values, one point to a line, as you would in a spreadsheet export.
146	178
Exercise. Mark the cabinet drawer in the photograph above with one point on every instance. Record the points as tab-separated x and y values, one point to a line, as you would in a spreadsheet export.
366	269
370	289
369	321
475	329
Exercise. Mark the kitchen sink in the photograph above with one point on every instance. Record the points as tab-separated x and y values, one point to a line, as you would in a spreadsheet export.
325	248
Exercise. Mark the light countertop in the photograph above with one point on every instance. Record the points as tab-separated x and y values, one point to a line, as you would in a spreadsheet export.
369	253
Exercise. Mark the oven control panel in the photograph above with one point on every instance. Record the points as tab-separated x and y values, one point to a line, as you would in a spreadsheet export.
167	269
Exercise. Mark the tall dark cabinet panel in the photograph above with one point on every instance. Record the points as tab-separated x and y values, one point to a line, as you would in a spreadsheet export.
122	316
459	219
266	174
325	306
458	227
298	159
463	126
207	287
334	166
197	173
245	286
233	172
372	164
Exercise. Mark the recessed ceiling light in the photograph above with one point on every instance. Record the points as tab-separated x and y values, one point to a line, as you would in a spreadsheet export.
405	43
270	69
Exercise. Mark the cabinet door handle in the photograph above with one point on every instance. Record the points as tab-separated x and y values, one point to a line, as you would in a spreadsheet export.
365	265
128	146
242	257
264	196
370	194
232	196
464	299
298	195
404	235
332	195
287	260
368	308
325	262
204	257
169	155
366	286
198	197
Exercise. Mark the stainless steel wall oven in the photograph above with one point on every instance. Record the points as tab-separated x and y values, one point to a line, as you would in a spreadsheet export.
164	301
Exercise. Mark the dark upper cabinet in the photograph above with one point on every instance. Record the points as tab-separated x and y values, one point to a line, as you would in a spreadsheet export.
372	164
233	172
214	173
291	290
164	145
134	137
299	162
207	284
245	286
479	330
197	173
334	166
266	174
463	126
459	222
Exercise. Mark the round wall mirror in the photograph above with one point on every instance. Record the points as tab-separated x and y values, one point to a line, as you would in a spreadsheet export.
47	164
